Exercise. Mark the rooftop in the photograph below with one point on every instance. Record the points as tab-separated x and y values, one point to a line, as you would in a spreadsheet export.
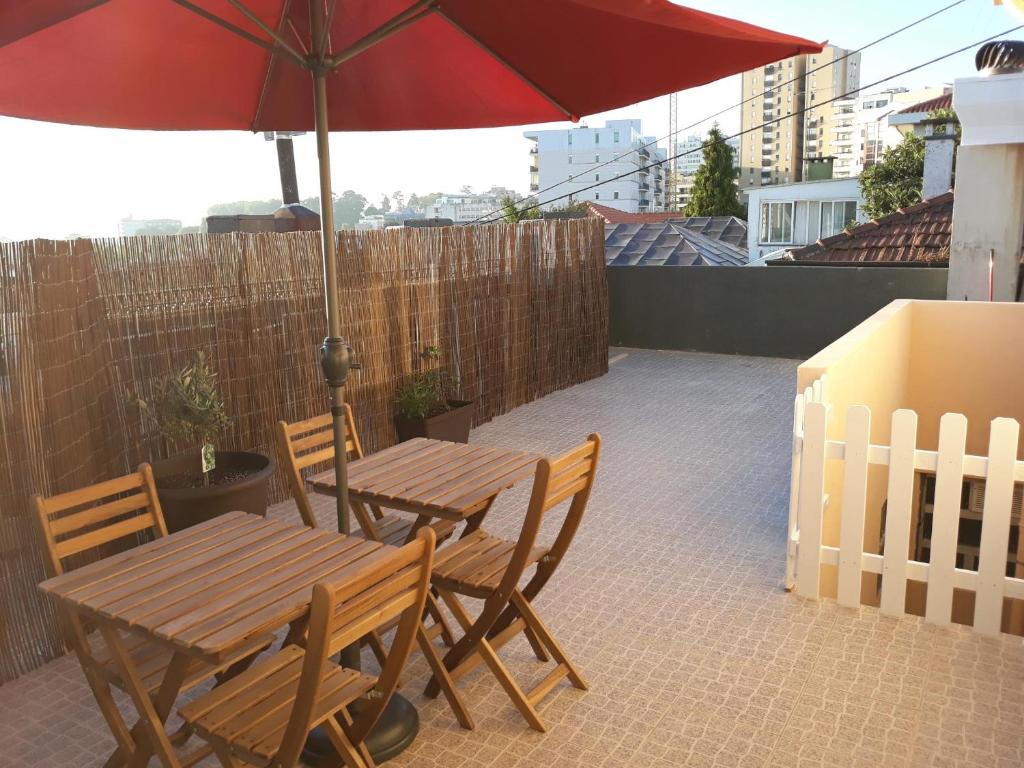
919	233
669	243
945	101
671	603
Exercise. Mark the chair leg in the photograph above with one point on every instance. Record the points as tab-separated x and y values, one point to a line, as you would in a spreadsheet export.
515	693
353	757
434	611
455	700
544	634
377	646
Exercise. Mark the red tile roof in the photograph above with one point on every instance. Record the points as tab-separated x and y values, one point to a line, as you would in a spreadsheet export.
615	216
919	233
945	101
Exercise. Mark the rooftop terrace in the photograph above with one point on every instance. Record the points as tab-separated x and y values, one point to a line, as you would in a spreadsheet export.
671	603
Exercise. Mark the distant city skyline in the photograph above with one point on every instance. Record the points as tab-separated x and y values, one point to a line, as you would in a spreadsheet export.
61	180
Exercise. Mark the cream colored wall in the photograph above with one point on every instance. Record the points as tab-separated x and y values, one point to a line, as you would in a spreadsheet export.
867	366
930	356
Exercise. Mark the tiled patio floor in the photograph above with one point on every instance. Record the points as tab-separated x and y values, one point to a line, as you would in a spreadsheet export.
671	603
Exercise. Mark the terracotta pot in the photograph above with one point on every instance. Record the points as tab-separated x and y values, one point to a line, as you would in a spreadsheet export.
453	425
184	507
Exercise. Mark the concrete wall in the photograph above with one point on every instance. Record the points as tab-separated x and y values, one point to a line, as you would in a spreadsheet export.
774	311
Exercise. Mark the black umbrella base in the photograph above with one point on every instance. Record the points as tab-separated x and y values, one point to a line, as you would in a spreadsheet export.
395	731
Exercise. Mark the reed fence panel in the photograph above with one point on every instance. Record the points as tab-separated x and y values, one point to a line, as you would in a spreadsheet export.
516	312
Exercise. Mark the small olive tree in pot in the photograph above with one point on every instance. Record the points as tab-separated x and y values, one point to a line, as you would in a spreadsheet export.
426	406
186	408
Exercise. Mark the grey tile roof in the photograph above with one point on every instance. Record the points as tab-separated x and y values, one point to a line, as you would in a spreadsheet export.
670	243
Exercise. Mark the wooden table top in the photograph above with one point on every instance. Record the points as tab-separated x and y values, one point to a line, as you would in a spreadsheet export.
212	588
433	477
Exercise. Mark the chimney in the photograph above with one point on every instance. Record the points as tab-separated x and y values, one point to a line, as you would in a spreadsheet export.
988	211
939	149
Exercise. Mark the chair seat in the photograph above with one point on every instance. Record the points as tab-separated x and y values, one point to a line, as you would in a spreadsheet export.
475	564
394	529
250	712
152	659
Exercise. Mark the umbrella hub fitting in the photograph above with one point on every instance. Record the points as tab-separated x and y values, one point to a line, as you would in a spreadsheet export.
335	361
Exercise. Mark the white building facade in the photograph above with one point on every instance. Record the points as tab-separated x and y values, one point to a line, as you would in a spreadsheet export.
464	208
785	216
576	164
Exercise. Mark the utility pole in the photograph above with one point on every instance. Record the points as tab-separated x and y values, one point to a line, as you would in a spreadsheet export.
672	203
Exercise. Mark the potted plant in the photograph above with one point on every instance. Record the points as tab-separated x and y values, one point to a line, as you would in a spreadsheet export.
426	406
202	482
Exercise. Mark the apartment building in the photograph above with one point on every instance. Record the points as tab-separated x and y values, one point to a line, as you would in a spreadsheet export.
464	208
692	155
777	134
566	165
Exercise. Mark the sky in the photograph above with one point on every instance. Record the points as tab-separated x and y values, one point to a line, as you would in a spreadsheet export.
57	180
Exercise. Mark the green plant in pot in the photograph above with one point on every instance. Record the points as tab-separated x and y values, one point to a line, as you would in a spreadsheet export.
187	410
426	404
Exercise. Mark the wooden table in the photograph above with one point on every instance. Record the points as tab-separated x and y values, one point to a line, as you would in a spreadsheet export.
433	478
204	593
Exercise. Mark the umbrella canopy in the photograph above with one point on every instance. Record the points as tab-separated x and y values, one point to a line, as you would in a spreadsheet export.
373	65
394	64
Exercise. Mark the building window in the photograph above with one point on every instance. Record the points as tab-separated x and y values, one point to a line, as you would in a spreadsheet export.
597	177
570	139
597	138
776	223
615	195
835	215
616	139
597	158
597	195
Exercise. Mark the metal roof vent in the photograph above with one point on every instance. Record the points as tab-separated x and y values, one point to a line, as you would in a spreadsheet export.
1000	57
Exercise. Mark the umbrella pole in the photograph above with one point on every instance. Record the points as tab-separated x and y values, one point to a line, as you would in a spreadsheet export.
335	354
398	725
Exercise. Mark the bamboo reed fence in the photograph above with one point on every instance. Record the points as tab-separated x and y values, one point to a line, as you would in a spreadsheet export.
516	311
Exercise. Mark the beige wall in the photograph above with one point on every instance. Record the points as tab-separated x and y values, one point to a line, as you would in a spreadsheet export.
933	357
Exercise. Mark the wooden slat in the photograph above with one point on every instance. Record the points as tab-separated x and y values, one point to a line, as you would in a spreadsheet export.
855	488
284	601
470	484
581	451
898	512
419	446
398	463
91	493
122	565
812	492
315	440
98	514
946	518
553	500
396	482
794	488
488	488
103	535
995	526
452	467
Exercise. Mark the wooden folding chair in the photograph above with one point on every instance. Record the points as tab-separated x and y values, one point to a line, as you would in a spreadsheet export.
310	443
483	566
89	517
264	715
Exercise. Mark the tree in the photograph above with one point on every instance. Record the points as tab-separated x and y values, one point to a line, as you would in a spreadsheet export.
385	204
348	208
424	201
895	182
398	198
466	189
715	192
513	210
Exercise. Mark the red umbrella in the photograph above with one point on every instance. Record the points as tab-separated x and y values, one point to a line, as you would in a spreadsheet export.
373	64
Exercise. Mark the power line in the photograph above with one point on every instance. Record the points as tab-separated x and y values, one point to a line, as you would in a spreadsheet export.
770	122
721	112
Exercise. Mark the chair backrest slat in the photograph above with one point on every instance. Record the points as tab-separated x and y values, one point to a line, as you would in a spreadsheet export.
310	443
394	586
99	514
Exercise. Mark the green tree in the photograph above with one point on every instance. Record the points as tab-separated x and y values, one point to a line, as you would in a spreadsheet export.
715	192
423	201
513	210
895	182
348	208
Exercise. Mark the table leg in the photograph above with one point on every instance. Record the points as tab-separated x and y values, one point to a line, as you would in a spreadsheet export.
475	520
149	732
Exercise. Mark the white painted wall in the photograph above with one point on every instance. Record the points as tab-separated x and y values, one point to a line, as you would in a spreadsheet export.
806	198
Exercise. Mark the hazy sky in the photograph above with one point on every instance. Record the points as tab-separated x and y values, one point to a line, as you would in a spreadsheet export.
56	180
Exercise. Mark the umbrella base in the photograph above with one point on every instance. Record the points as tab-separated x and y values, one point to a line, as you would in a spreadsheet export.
395	731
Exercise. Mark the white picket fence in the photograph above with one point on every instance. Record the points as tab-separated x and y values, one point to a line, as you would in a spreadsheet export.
950	463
